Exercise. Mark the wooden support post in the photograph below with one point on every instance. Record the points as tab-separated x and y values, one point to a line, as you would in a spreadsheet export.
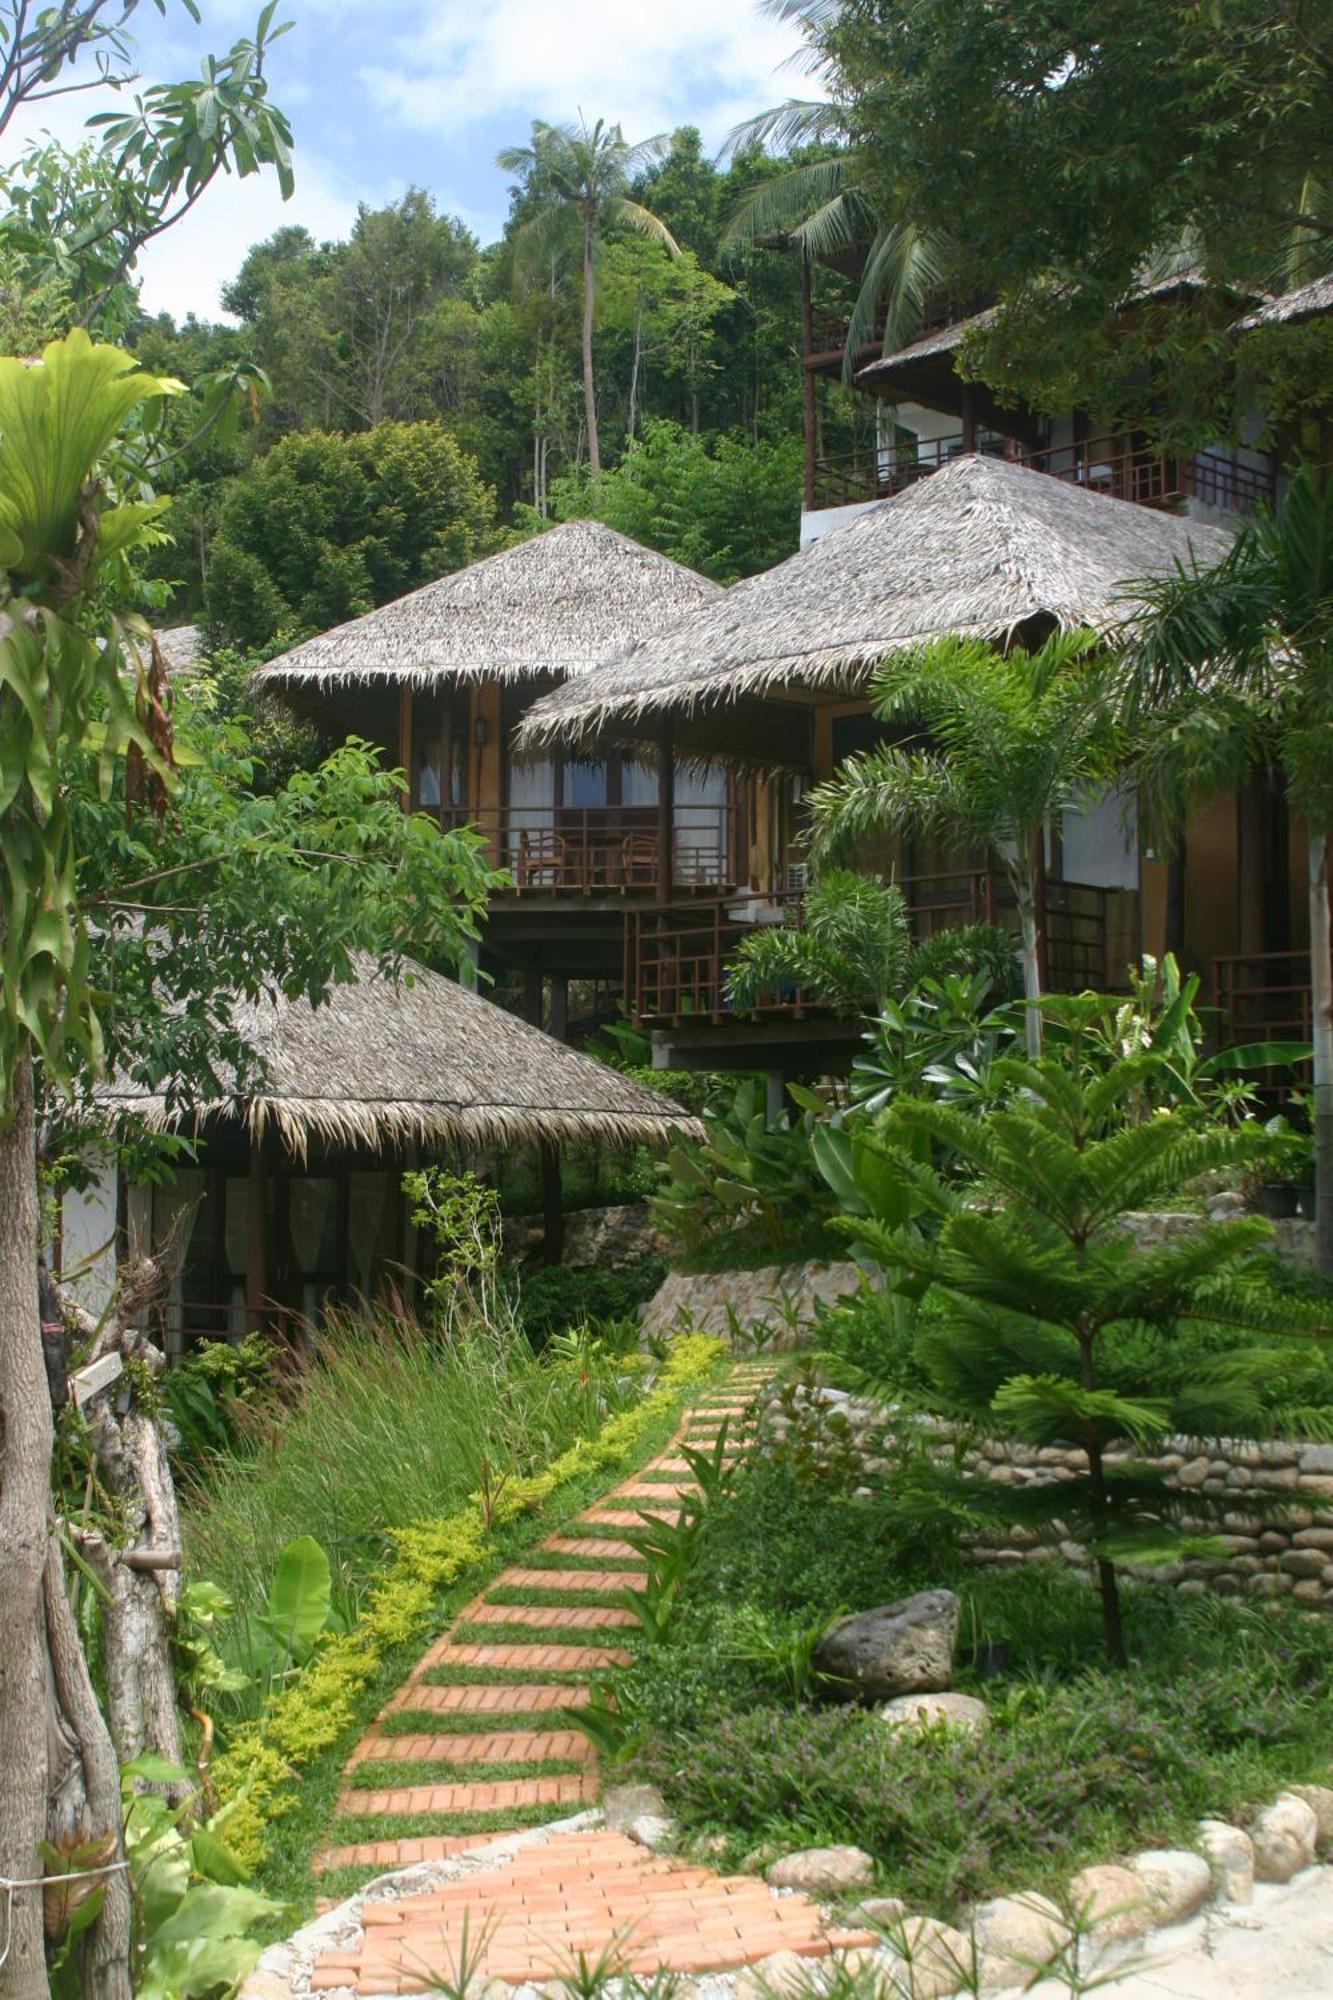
666	813
553	1208
405	742
558	1025
532	998
969	416
256	1247
809	413
446	755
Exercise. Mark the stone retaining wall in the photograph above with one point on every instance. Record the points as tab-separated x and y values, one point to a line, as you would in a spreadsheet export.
785	1297
1279	1552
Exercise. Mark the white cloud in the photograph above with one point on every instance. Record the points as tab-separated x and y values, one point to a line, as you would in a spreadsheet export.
705	62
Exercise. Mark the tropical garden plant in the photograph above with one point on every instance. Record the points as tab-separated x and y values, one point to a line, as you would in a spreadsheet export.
1009	742
1240	655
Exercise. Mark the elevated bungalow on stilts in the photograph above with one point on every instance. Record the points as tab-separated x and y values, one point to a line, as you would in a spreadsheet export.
441	678
776	673
294	1200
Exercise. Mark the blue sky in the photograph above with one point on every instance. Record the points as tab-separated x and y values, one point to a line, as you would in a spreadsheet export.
387	93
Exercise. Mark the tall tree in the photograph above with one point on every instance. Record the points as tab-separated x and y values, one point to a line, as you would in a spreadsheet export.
584	172
1014	740
1069	150
1247	645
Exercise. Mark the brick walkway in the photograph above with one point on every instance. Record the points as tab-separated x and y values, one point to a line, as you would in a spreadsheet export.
483	1750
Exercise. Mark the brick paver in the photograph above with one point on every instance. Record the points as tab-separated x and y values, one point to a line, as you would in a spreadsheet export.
527	1914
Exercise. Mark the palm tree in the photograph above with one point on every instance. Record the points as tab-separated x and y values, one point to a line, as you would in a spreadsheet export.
852	949
585	172
1015	740
1243	651
822	206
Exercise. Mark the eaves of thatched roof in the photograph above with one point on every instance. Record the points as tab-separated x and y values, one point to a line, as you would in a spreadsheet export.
554	605
1310	301
386	1063
940	340
981	548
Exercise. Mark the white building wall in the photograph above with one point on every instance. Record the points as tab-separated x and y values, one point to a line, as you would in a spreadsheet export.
88	1238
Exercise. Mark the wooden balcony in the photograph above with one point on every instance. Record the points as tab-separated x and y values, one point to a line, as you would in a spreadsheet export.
1106	465
676	958
565	851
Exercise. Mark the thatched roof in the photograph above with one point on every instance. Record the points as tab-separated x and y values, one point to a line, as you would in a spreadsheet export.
1306	302
981	548
940	340
554	605
386	1063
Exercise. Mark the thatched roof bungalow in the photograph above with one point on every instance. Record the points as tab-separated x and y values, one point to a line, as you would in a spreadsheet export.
441	677
551	607
983	547
295	1197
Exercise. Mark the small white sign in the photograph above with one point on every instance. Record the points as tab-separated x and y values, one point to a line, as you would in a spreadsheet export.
96	1377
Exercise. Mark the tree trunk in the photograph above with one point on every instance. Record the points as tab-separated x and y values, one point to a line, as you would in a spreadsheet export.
589	387
84	1780
1321	1010
25	1461
1025	895
635	366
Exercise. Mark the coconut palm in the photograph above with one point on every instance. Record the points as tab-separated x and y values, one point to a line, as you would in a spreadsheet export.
823	207
1013	740
1244	648
584	172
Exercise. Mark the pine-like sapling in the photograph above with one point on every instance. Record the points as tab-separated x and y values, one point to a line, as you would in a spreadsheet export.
1048	1321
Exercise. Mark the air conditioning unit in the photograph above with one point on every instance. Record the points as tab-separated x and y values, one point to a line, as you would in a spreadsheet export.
797	875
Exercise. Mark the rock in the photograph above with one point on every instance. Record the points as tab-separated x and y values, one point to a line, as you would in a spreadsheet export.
1111	1901
1230	1855
782	1974
935	1959
913	1714
1284	1839
823	1871
623	1804
901	1648
1176	1880
261	1985
657	1832
1020	1932
1319	1798
881	1911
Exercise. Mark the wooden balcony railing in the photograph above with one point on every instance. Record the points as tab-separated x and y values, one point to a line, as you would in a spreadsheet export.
606	850
676	958
1104	465
1263	997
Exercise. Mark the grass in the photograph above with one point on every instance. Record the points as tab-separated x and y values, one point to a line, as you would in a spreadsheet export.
487	1722
553	1600
388	1425
388	1774
493	1632
447	1675
559	1559
351	1829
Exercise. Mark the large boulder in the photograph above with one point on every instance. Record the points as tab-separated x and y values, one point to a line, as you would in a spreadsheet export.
1176	1880
1229	1852
902	1648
